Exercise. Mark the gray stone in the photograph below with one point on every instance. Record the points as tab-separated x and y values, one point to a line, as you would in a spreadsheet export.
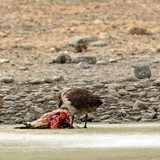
98	44
142	71
52	102
114	93
62	58
58	78
29	117
19	120
154	99
4	61
153	94
130	88
88	38
37	109
28	46
102	62
83	65
7	80
35	81
142	94
138	30
11	97
122	92
121	113
158	117
139	105
136	118
100	110
129	104
98	85
23	68
156	82
105	117
87	59
8	103
111	121
112	60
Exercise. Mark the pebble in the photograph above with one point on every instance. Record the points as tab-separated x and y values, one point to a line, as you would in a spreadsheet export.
138	30
87	59
83	65
62	58
98	44
23	68
4	61
7	80
98	21
88	38
139	105
102	62
27	46
122	92
142	71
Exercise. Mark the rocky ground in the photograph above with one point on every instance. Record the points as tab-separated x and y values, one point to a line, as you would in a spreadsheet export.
39	56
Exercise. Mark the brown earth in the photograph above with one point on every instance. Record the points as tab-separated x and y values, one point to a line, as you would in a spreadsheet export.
49	24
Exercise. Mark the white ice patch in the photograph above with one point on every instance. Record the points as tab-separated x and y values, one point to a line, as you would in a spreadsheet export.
81	140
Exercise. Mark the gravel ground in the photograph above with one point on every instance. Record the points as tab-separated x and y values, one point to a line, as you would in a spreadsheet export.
33	33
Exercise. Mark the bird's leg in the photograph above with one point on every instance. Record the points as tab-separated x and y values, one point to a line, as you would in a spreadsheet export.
86	117
60	103
72	121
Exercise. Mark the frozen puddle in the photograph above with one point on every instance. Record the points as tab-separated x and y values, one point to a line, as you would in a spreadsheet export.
8	140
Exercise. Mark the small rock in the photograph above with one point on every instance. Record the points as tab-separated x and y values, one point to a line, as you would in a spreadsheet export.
37	109
28	46
11	97
102	62
148	116
83	65
139	105
62	58
122	92
35	81
88	38
111	121
105	117
23	68
88	59
156	82
58	79
98	21
142	94
130	88
142	71
138	31
29	117
98	44
136	118
81	46
7	80
19	120
4	61
112	60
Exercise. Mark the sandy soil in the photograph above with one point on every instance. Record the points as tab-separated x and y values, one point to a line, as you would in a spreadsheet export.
50	24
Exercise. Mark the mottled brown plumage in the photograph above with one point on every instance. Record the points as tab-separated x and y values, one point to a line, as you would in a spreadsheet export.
79	101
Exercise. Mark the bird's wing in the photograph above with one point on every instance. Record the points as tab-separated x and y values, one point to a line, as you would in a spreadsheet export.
81	98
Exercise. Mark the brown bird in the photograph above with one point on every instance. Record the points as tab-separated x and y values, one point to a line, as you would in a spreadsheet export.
79	101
